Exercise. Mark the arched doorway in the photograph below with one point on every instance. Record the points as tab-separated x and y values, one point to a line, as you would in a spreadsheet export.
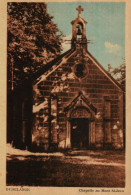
80	123
80	127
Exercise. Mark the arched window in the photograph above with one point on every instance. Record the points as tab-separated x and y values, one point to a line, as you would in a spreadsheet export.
79	30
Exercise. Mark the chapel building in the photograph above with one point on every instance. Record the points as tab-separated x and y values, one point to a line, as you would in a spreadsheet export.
76	103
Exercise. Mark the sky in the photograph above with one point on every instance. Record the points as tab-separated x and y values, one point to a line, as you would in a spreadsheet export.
105	28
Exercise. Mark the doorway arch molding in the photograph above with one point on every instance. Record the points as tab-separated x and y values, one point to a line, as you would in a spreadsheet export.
80	112
80	107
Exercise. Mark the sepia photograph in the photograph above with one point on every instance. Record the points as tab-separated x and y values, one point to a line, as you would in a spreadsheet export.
66	89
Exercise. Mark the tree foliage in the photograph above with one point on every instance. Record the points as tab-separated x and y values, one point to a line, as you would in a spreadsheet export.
33	40
118	73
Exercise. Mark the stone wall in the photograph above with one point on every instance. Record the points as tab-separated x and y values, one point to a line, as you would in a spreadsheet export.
63	84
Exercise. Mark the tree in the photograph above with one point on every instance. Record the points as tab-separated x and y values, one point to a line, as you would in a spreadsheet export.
118	73
33	40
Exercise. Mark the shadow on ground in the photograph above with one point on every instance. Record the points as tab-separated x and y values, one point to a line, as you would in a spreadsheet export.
75	169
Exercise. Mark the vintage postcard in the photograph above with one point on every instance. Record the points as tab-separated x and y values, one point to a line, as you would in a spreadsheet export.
65	97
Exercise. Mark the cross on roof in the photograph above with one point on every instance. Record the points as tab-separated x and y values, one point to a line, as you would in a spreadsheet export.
79	9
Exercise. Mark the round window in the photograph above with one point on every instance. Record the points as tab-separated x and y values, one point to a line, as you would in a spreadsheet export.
80	70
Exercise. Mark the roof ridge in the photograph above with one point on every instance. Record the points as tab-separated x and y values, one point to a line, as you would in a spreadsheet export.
54	63
49	65
105	71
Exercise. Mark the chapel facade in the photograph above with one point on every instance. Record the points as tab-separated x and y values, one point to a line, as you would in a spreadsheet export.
76	103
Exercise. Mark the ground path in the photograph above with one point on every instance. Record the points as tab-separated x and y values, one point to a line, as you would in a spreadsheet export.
71	168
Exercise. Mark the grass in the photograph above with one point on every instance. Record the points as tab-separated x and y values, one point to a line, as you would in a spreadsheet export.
66	171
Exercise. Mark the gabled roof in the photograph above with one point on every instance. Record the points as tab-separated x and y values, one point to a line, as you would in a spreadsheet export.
49	65
78	19
53	65
104	71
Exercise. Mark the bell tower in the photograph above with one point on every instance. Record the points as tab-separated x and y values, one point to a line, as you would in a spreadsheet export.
79	40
